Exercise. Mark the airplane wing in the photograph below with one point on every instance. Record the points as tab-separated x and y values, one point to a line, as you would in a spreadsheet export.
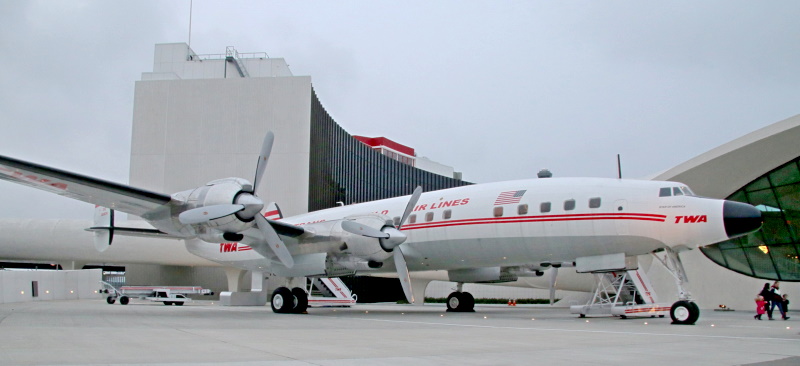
80	187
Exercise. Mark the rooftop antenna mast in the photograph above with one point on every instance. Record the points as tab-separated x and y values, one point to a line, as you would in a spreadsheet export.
190	24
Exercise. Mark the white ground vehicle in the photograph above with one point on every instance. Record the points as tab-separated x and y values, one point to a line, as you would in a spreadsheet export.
169	295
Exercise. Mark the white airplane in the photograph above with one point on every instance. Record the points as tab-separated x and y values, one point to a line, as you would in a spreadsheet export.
478	233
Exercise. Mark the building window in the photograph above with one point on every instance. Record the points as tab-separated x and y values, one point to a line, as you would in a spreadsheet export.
522	209
569	205
429	216
773	252
594	202
544	207
498	211
447	214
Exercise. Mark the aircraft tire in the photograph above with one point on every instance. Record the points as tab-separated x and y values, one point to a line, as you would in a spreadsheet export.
454	301
300	300
282	300
124	300
469	302
110	300
684	312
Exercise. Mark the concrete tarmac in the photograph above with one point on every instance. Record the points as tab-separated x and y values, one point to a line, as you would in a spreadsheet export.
89	332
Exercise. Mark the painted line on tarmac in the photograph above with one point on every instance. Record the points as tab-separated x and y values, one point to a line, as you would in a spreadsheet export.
751	338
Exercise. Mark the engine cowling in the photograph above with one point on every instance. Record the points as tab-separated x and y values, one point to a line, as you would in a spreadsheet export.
225	192
362	246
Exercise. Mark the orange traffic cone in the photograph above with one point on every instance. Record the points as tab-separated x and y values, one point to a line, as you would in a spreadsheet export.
514	303
509	302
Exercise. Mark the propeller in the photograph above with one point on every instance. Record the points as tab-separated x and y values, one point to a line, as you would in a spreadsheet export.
204	214
273	241
247	207
553	275
263	158
390	238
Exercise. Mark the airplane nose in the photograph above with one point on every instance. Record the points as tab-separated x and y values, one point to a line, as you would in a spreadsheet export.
740	218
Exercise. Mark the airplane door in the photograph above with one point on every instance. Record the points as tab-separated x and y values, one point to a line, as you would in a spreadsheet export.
620	207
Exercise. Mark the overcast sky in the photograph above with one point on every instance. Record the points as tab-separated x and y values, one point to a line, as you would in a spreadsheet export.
496	89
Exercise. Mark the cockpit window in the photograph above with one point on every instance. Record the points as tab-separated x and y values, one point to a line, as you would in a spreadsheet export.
675	191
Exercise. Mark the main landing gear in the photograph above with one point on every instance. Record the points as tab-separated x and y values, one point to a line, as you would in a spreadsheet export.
460	301
285	301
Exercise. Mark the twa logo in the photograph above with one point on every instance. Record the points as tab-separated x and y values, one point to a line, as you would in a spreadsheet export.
691	219
233	247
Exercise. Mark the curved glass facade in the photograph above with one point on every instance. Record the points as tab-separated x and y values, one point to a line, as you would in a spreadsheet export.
772	252
345	170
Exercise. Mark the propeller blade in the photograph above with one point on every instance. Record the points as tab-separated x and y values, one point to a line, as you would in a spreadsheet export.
412	202
263	158
273	241
358	229
207	213
553	275
402	273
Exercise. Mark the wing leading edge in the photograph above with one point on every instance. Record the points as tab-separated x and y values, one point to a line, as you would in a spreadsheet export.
117	196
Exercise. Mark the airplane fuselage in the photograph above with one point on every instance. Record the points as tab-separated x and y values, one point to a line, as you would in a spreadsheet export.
506	224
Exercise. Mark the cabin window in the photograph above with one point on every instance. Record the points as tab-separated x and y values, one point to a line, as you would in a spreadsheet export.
687	191
396	220
522	209
594	202
429	216
665	192
544	207
412	219
677	191
569	205
447	214
498	211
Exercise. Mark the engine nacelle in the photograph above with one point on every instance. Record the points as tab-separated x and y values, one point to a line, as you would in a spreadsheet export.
221	192
362	246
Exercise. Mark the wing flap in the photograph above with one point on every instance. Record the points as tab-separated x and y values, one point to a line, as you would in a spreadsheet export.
83	188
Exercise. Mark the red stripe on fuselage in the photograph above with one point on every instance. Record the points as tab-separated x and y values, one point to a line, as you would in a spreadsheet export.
547	218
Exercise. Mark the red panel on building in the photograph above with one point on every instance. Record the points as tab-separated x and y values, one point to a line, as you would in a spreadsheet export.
383	141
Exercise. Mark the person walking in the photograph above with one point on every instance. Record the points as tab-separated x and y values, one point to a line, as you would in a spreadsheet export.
760	307
767	295
777	300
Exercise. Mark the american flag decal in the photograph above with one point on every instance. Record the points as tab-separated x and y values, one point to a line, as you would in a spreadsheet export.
509	197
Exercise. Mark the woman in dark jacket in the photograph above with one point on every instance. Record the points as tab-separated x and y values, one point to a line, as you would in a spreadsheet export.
767	294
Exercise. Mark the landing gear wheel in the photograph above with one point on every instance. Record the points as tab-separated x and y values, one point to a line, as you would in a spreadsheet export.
684	312
300	300
282	300
469	302
110	300
124	300
454	301
460	302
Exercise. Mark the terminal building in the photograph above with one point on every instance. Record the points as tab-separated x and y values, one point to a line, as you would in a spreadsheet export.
198	117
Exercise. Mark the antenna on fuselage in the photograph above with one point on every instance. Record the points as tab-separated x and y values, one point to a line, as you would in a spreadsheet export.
619	167
544	173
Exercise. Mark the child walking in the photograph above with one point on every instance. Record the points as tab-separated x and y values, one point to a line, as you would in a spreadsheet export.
760	307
